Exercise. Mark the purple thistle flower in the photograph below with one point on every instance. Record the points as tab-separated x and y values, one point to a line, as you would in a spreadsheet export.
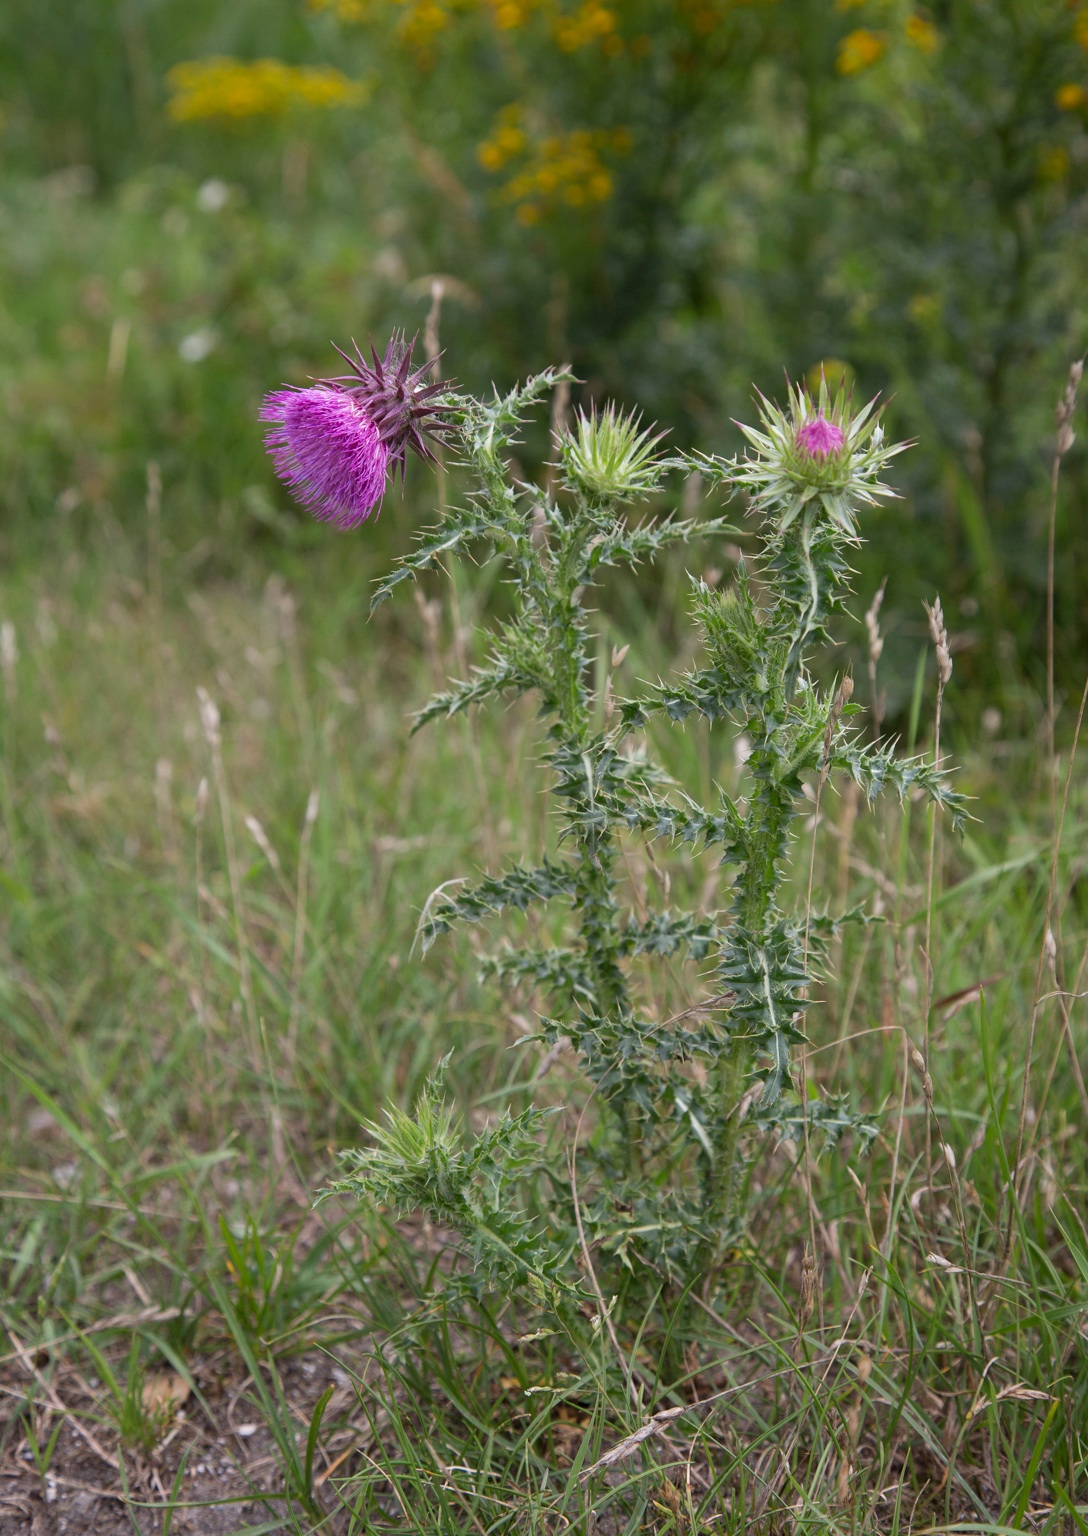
335	443
327	449
819	437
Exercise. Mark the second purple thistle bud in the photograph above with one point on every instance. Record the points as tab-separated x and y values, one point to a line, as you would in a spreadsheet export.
819	437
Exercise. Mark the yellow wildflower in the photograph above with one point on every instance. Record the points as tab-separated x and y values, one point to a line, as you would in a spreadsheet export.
510	14
593	22
1068	98
343	10
859	49
563	169
924	308
422	21
1053	161
506	141
236	88
922	33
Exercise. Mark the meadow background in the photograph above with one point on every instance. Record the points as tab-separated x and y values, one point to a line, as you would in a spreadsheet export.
202	995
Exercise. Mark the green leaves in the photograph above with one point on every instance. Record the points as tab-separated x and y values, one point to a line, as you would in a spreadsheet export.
518	888
485	683
458	529
875	769
768	976
419	1162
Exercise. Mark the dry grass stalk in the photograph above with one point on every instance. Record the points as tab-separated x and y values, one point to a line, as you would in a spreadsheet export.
164	808
809	1291
939	636
1064	440
9	661
209	719
876	648
153	504
1047	955
9	665
313	805
286	610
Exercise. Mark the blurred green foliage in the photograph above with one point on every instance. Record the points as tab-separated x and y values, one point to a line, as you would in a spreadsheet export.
682	197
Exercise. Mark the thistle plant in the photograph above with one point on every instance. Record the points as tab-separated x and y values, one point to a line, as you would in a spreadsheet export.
670	1102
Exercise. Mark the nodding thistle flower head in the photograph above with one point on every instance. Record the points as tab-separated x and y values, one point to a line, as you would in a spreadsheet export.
335	443
815	456
608	458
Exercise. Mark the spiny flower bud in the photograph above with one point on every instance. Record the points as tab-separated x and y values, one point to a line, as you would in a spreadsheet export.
815	456
819	437
608	457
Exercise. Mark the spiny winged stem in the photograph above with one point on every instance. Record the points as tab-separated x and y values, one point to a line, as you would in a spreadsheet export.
670	1097
553	565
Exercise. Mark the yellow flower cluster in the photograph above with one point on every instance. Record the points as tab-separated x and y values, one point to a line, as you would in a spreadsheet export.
1073	97
860	49
1053	162
703	16
864	47
566	168
421	21
922	33
506	142
343	10
592	22
508	15
236	88
561	169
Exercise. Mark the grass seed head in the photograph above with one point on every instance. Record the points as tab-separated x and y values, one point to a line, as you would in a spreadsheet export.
9	658
872	624
939	635
1067	406
809	1274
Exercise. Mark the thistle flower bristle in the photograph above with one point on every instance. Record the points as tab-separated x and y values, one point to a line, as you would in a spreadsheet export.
335	444
820	437
327	451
